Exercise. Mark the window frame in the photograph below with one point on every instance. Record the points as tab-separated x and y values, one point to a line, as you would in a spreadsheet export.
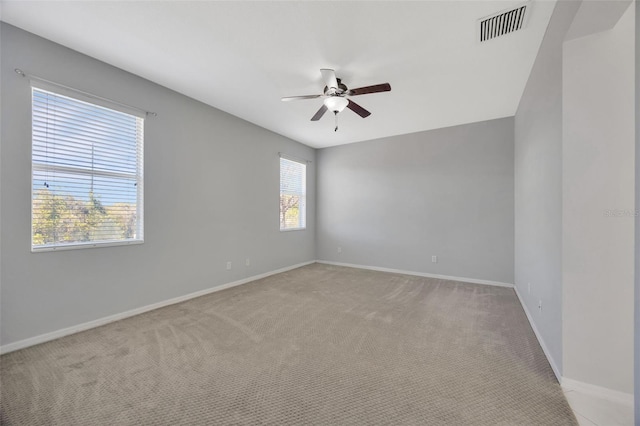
83	97
305	164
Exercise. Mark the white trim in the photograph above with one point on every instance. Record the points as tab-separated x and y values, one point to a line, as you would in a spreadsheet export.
543	345
419	274
21	344
567	384
570	384
84	245
597	391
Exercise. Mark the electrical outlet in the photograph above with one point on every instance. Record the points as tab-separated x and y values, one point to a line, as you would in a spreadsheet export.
339	249
529	288
540	305
228	266
247	262
434	259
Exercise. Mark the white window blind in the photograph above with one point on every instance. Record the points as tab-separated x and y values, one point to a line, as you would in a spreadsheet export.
87	173
293	194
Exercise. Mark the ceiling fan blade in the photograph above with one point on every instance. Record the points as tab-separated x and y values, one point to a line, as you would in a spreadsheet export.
386	87
320	113
358	109
297	98
329	77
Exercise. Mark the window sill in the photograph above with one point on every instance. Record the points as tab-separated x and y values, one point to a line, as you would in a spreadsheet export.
293	229
78	246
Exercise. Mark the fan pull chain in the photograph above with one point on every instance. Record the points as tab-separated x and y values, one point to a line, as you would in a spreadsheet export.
336	115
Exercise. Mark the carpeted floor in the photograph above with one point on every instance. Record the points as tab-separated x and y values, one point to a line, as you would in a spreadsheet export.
320	345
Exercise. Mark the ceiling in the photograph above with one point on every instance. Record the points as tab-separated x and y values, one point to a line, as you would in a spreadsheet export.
242	57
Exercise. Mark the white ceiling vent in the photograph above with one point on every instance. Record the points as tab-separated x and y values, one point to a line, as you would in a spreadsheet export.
503	22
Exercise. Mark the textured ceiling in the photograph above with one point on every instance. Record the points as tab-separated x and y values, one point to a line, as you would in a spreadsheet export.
241	57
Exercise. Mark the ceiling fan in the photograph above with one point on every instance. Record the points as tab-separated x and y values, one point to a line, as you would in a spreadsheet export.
335	96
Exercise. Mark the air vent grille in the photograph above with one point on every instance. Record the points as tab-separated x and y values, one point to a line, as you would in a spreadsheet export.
502	23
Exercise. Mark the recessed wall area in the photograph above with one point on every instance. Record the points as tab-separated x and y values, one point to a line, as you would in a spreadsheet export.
538	187
574	168
599	206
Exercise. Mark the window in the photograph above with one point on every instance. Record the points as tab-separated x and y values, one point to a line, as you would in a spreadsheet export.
87	174
293	194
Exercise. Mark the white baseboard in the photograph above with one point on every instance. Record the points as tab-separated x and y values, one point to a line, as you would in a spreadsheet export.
419	274
21	344
597	391
570	384
552	362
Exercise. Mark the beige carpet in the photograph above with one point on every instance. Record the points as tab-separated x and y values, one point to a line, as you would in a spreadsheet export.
320	345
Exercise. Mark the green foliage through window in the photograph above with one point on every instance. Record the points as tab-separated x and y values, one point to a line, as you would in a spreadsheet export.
86	173
293	193
64	219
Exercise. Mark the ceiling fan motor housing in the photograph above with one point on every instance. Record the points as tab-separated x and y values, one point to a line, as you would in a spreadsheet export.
341	90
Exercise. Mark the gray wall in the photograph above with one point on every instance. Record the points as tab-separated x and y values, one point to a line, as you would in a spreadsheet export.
211	196
637	224
397	201
538	186
598	201
573	163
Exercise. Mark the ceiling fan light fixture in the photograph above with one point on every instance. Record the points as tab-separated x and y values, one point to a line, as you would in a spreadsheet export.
336	103
335	96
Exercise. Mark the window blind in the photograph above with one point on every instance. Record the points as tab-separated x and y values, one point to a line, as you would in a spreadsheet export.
87	173
293	194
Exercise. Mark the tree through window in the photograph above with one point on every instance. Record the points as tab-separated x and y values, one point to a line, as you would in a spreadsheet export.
293	194
87	174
